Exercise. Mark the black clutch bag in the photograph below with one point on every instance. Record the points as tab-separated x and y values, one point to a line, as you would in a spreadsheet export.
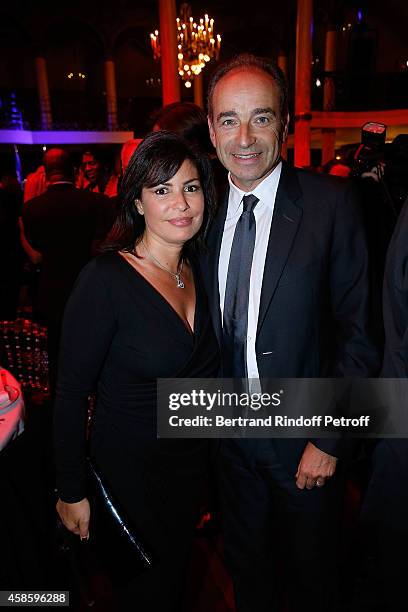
118	546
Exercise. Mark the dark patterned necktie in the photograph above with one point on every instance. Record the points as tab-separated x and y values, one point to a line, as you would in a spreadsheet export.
235	319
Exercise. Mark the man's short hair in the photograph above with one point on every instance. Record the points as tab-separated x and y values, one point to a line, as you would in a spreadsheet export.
58	162
247	61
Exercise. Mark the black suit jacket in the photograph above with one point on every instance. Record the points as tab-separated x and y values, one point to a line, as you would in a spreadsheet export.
62	224
395	301
386	500
314	301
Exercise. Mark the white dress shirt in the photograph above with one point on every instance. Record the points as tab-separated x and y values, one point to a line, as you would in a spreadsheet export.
263	211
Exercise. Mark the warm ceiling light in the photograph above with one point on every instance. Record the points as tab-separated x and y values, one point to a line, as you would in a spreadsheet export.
196	43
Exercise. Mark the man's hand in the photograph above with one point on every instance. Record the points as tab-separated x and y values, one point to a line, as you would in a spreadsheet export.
75	517
314	467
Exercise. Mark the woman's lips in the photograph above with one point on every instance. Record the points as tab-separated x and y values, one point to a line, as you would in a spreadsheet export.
181	221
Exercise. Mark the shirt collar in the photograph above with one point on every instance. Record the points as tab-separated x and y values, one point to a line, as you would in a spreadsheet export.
265	192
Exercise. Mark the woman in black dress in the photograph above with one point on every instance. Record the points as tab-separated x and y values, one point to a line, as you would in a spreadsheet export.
137	313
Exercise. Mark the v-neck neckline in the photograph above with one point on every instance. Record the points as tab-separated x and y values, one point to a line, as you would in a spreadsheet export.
185	324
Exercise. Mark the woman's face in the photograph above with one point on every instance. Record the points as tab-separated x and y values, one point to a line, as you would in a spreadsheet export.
174	210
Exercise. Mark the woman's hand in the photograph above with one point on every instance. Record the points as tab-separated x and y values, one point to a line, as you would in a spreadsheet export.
75	516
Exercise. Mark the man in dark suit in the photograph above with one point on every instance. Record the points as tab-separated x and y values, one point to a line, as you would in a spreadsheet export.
286	273
385	508
64	224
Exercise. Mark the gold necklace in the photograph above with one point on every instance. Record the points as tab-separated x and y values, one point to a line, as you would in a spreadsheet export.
175	275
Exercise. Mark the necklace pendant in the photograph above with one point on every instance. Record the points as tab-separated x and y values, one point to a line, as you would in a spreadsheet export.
180	283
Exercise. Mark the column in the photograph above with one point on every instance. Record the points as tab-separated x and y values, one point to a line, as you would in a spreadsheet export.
283	65
304	32
329	134
43	93
111	96
198	90
168	44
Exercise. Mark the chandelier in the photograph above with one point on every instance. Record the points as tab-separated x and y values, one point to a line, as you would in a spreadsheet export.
197	44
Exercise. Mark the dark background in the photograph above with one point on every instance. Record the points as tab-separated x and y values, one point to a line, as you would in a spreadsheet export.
372	53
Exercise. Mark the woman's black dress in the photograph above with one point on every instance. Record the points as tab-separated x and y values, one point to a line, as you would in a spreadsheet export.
119	336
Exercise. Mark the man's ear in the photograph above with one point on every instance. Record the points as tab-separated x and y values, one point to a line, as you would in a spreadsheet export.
139	207
212	132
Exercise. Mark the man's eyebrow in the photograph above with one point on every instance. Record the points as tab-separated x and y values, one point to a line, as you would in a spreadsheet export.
264	111
230	113
268	110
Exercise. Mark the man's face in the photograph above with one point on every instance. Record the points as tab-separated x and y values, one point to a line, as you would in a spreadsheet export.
90	167
246	127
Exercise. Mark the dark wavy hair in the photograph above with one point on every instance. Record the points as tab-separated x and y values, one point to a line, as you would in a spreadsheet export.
189	121
156	160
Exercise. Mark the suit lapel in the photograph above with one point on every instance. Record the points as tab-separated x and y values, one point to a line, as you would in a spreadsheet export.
285	224
214	246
